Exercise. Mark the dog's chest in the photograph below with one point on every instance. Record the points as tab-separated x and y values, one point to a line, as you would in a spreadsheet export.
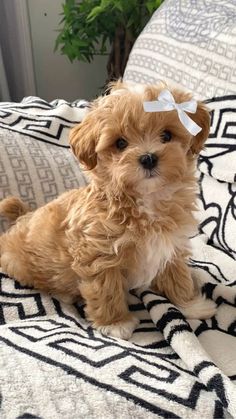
151	257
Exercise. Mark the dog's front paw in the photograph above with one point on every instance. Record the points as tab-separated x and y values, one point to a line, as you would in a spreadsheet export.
121	330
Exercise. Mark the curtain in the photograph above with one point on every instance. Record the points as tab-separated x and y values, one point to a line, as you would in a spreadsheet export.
4	90
16	61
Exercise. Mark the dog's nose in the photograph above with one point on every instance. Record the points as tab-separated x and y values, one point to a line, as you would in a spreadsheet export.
148	161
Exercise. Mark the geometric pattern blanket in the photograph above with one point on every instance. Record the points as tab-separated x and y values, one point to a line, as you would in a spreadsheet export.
54	365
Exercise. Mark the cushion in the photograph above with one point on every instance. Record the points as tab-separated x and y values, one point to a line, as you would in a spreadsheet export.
217	176
190	43
36	163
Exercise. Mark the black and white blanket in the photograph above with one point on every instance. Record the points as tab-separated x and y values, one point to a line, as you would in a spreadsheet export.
52	363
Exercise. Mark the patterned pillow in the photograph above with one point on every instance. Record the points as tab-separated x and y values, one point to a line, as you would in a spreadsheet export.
217	177
188	42
36	163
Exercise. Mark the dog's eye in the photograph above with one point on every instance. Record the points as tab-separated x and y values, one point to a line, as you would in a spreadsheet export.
121	143
166	136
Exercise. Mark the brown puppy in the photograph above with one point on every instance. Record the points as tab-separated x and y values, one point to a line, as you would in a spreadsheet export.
130	227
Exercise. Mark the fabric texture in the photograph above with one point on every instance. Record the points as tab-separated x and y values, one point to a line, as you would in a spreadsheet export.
189	43
36	163
54	365
217	177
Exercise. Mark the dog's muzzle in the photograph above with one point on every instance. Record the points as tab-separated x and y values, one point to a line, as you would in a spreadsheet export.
148	161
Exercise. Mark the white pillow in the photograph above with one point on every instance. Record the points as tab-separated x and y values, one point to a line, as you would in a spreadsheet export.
191	43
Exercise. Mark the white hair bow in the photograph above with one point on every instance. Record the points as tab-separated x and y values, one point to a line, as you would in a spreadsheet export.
166	102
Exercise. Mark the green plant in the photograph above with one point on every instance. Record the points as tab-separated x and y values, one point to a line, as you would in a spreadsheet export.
107	27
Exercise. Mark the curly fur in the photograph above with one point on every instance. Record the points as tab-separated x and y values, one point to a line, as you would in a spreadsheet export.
129	228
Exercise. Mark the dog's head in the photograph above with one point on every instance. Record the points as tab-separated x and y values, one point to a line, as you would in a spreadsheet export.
130	149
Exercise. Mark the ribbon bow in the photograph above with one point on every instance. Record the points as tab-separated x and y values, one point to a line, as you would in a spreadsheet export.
166	102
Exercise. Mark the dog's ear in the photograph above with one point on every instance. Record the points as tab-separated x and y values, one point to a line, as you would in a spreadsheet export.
202	118
83	139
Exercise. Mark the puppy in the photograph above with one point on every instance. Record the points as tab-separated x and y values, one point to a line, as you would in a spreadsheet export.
130	227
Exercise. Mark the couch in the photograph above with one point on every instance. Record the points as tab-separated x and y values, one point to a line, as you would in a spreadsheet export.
52	363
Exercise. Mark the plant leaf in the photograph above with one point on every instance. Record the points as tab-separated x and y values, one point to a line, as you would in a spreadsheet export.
94	13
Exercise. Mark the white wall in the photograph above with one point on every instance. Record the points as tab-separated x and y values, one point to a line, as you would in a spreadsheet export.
55	76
